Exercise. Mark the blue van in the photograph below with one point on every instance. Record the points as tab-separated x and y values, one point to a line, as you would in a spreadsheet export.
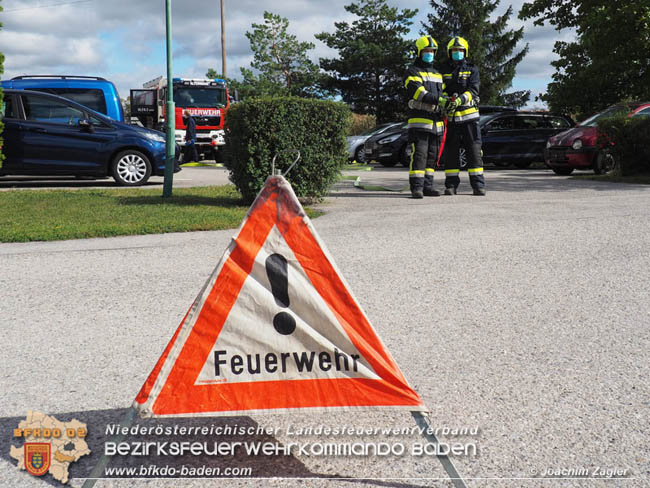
93	92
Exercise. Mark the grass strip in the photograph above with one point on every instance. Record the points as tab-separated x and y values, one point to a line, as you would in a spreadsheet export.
36	215
209	165
357	167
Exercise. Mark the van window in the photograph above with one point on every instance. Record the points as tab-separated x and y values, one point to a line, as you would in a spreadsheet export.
88	97
8	110
558	122
44	110
501	123
529	122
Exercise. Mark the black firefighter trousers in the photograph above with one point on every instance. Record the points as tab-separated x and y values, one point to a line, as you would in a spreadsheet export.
468	136
425	147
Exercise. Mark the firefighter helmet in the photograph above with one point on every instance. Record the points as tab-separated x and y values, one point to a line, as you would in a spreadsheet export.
426	42
458	43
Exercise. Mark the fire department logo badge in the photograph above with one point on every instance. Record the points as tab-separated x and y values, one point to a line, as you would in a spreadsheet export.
37	457
50	446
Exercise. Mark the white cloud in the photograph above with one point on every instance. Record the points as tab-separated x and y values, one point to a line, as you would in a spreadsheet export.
123	40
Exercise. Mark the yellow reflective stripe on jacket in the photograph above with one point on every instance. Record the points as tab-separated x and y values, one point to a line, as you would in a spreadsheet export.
467	117
468	111
419	93
417	120
464	73
477	171
417	79
430	171
428	76
417	173
467	97
452	171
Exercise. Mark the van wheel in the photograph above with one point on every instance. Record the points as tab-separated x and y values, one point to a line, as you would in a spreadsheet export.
131	168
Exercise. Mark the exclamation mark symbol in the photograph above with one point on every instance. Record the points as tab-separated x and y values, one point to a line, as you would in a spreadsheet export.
277	271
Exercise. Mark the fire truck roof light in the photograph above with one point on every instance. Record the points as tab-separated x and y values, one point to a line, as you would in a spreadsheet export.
174	80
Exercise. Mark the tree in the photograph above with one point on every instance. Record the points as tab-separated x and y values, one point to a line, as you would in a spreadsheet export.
490	44
281	60
373	57
609	60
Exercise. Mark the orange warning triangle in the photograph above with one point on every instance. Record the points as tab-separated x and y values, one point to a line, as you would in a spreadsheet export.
275	328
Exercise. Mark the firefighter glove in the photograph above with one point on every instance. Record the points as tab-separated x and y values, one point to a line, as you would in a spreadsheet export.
453	105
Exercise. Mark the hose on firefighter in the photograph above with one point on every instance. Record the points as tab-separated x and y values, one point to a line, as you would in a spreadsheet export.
444	133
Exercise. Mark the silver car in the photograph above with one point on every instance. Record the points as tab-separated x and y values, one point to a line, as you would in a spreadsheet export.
355	143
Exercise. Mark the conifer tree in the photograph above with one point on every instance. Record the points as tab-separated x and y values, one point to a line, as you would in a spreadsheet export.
373	57
490	44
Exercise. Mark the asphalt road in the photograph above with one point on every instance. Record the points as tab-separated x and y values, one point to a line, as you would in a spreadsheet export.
524	314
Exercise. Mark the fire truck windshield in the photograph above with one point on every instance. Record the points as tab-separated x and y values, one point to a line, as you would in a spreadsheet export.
199	97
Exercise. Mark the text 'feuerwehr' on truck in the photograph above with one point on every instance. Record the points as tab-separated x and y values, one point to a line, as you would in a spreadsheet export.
206	99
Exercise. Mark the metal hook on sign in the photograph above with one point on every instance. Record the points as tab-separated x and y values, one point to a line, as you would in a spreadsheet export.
294	161
279	173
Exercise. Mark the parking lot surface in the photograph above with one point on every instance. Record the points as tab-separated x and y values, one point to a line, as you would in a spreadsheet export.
523	314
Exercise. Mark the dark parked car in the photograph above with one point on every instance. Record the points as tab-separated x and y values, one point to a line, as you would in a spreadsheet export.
578	148
48	135
509	137
519	138
356	143
389	147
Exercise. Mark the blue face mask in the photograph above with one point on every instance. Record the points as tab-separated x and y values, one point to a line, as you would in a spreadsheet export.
427	57
457	55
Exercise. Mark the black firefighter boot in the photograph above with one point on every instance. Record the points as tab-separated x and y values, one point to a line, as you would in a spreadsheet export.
428	187
416	187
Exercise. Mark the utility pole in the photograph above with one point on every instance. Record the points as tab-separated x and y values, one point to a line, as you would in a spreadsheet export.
223	39
171	111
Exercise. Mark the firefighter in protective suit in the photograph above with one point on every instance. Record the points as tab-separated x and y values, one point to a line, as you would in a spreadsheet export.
424	90
461	86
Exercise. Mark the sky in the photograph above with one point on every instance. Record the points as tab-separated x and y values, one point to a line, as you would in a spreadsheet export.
124	40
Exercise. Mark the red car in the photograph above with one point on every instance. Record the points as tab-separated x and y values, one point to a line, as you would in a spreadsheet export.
577	148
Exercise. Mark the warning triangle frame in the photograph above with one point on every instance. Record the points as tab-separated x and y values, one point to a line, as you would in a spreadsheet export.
170	389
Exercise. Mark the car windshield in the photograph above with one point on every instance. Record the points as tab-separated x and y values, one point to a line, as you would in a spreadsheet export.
202	97
610	112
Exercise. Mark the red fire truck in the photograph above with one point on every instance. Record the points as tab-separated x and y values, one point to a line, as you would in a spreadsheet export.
207	101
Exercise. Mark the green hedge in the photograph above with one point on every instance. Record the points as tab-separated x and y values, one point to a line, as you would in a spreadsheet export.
631	142
257	129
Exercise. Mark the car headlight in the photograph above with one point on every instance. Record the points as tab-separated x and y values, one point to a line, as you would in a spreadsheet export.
577	144
154	137
389	139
